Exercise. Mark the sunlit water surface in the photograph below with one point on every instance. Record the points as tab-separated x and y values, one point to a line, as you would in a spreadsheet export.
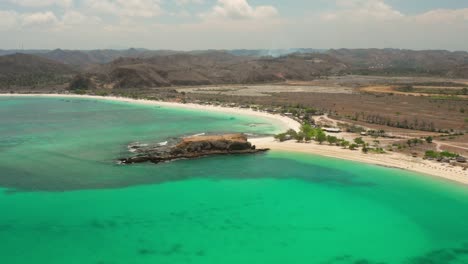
65	200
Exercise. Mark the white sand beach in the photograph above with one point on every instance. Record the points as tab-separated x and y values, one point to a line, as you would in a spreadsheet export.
395	160
390	159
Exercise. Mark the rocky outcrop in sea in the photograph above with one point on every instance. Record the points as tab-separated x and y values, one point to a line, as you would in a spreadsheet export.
191	148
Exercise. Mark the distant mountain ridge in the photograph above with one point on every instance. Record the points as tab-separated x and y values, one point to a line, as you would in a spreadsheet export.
84	58
272	52
405	62
145	68
211	68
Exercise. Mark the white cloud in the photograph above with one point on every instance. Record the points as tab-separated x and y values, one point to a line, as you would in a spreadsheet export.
181	14
443	16
8	20
232	24
240	9
362	10
126	8
187	2
42	3
38	19
73	18
376	11
374	23
44	21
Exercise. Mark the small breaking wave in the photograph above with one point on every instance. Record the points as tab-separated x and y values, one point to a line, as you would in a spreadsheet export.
133	147
163	143
257	124
197	135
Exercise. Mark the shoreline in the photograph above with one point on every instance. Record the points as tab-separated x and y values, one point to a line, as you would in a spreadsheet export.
392	160
282	122
389	160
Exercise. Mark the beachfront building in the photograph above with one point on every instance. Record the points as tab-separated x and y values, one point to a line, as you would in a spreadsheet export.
331	129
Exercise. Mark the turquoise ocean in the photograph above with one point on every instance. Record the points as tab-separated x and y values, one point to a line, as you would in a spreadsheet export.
64	199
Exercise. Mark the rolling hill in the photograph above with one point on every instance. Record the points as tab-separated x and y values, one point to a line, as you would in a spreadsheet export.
30	70
211	68
404	62
134	68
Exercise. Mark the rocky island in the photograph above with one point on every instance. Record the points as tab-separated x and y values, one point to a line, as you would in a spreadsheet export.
193	147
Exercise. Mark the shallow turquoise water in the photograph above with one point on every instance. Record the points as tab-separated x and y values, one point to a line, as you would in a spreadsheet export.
64	200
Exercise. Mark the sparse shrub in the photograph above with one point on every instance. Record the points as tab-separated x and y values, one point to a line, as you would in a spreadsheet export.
431	154
332	140
365	149
300	137
447	154
359	141
320	137
353	146
344	143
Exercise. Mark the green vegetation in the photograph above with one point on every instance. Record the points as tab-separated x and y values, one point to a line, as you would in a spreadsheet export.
447	154
103	93
376	133
447	97
332	140
353	146
414	142
320	137
300	136
32	80
308	130
443	154
377	150
344	143
359	141
365	149
80	92
429	139
290	134
431	154
448	89
355	129
406	88
308	133
80	82
299	111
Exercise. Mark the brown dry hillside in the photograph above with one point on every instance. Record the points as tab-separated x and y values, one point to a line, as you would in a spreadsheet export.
137	68
404	62
212	68
83	59
219	67
32	71
28	64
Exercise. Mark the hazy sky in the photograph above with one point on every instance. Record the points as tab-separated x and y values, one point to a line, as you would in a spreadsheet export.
228	24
